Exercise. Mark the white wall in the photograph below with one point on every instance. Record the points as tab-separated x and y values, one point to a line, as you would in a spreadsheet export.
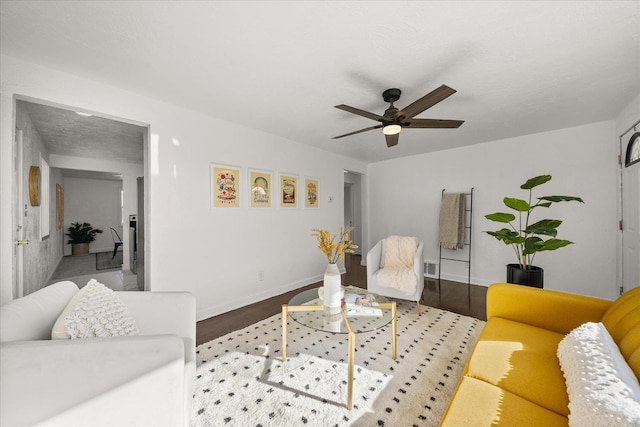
215	254
97	202
405	199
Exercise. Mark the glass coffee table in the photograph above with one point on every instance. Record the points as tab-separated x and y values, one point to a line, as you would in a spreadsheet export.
307	309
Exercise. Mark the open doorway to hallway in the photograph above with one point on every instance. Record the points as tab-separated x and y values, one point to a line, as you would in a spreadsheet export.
353	214
94	162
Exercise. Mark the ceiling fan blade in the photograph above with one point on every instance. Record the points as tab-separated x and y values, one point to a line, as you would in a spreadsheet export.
392	140
427	101
358	131
434	123
359	112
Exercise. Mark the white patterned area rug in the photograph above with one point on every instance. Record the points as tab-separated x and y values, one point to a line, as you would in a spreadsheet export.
242	381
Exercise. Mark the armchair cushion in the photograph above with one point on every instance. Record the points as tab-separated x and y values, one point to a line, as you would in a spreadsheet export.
95	311
399	251
416	272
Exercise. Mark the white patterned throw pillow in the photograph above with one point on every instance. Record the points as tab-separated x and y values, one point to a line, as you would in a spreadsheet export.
602	388
96	311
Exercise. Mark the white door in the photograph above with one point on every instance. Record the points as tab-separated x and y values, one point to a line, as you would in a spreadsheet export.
630	218
19	212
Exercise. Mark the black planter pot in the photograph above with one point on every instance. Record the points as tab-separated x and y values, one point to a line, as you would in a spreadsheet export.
530	277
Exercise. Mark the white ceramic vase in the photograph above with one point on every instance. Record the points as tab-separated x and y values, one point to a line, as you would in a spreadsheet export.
331	289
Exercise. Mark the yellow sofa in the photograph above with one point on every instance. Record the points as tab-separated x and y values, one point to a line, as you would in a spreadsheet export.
513	376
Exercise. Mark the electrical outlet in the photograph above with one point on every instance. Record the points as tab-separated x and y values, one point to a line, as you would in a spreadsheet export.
261	275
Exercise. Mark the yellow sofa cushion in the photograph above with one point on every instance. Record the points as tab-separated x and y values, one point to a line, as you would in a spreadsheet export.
625	304
521	359
480	404
622	320
552	310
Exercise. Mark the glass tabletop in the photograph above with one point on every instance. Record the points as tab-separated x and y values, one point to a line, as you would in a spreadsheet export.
321	321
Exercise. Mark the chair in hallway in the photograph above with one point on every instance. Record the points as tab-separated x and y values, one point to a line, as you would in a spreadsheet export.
395	268
117	241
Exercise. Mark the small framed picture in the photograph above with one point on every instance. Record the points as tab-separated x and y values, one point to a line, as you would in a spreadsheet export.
225	186
260	188
311	192
288	191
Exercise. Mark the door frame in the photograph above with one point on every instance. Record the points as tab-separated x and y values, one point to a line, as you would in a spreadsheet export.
20	180
18	214
624	141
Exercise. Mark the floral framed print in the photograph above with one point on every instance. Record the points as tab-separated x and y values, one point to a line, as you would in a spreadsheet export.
311	192
225	185
288	191
260	188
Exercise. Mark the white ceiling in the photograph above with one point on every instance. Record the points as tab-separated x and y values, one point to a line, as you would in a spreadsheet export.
70	134
519	67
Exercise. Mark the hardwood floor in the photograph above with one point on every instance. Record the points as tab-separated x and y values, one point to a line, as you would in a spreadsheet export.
452	297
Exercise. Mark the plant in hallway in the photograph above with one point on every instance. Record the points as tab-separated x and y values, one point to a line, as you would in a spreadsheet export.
527	238
80	236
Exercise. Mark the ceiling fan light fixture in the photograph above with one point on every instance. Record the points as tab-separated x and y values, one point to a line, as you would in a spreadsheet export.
391	129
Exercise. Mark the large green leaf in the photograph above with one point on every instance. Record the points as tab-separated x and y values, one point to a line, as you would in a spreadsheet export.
546	227
556	199
500	217
535	181
509	237
532	245
553	244
542	205
516	204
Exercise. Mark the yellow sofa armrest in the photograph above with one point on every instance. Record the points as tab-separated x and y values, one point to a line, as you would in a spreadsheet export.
551	310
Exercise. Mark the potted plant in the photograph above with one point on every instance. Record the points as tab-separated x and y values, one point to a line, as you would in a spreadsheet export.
80	236
527	238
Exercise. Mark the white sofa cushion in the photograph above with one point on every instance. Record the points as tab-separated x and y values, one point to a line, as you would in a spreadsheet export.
32	317
95	311
602	389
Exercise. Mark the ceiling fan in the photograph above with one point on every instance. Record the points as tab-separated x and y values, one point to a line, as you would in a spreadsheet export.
394	120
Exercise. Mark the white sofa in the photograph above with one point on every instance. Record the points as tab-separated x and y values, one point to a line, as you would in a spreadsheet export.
144	380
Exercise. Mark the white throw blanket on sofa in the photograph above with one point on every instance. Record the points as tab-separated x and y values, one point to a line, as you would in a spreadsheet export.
398	264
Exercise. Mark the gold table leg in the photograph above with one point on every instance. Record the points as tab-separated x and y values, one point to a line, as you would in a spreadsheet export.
352	339
284	332
352	356
394	325
394	330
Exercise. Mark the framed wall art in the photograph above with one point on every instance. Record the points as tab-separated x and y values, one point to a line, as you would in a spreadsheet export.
311	192
59	207
288	191
260	188
225	186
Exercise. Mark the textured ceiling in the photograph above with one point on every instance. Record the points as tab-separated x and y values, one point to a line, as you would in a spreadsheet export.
519	67
69	134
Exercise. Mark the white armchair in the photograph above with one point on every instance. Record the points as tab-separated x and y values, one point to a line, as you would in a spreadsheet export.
375	265
145	379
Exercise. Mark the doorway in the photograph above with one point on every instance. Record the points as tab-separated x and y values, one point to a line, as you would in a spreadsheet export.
630	195
353	213
94	163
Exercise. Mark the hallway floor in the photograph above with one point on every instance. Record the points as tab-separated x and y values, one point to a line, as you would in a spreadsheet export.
81	269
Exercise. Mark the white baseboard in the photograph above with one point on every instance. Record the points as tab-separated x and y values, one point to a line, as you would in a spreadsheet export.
236	303
463	279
